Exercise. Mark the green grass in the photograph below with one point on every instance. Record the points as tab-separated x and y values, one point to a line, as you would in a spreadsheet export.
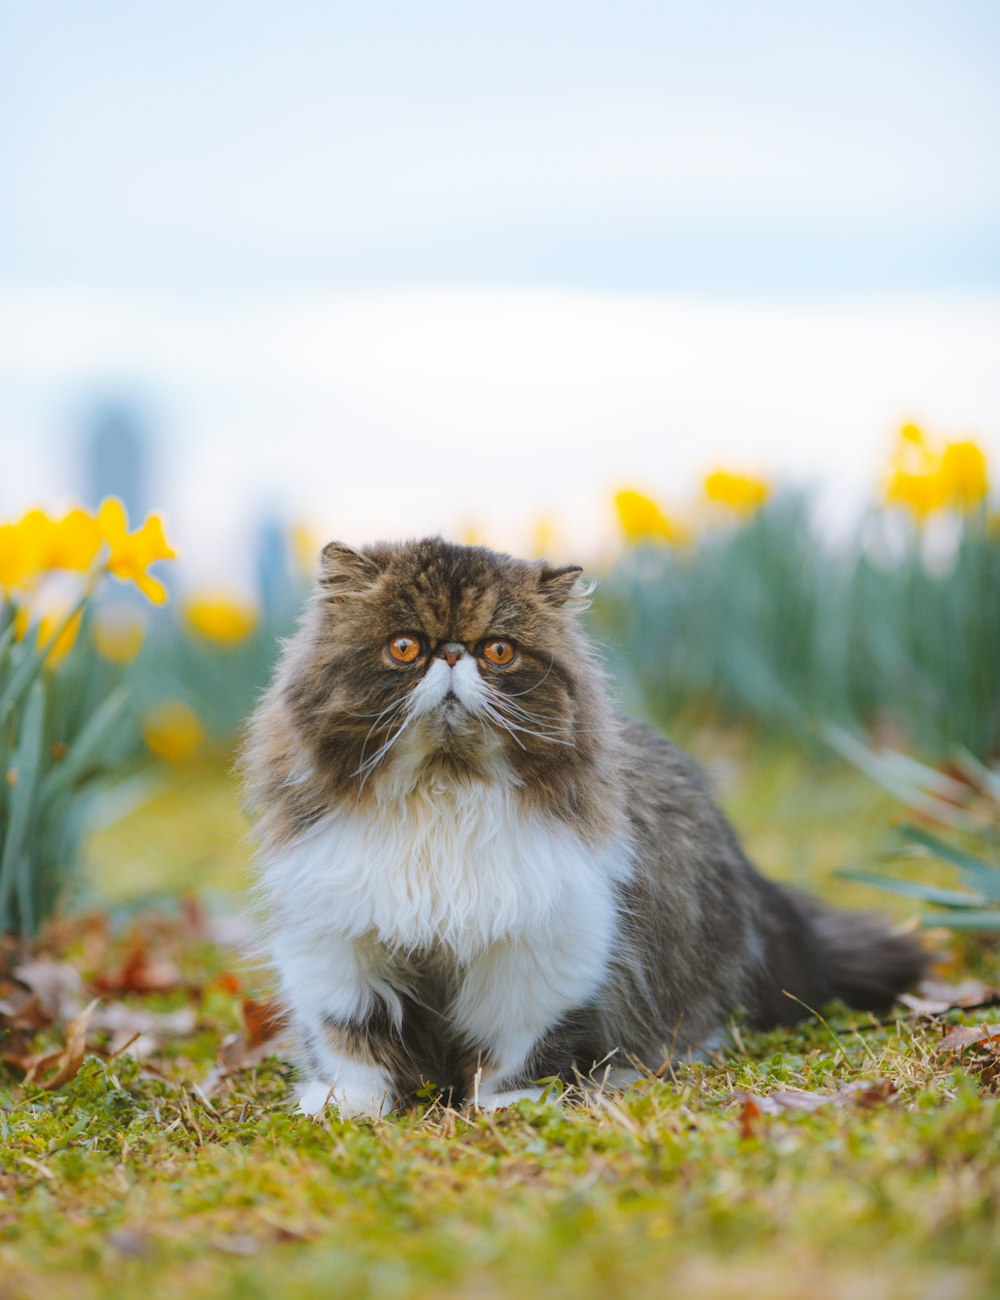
126	1183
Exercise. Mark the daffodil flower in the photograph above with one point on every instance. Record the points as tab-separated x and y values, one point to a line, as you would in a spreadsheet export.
224	619
738	492
131	554
924	478
643	520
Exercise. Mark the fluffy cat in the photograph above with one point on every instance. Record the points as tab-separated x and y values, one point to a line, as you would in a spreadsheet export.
477	874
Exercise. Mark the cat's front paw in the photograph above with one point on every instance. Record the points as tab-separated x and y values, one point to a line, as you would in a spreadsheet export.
316	1095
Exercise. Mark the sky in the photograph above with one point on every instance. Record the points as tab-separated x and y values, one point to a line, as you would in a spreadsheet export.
396	268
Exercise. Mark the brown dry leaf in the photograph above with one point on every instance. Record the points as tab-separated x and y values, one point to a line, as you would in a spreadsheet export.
935	997
750	1113
862	1092
963	1036
140	972
20	1009
263	1020
141	1032
264	1023
69	1058
56	984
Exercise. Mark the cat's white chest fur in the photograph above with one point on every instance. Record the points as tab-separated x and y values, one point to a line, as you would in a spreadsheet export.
525	908
458	865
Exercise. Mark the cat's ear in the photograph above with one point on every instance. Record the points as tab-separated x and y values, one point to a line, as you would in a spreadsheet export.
564	586
345	571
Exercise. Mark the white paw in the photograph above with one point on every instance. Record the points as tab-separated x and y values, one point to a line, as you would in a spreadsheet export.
315	1096
497	1100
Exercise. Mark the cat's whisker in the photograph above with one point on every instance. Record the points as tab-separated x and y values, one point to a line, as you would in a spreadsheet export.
365	769
498	721
510	726
528	690
396	704
503	704
390	712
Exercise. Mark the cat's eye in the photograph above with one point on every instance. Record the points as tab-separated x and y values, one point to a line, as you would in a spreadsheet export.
404	649
501	654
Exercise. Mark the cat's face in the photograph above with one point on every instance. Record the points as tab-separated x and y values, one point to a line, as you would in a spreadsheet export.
427	654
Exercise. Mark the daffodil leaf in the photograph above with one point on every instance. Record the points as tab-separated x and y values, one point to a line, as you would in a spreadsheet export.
986	920
977	873
25	767
34	657
916	889
6	640
84	755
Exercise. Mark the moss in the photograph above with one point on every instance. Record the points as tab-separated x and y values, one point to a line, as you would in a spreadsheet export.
126	1182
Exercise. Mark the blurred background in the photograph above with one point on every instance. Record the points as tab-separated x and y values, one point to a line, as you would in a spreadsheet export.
377	271
705	297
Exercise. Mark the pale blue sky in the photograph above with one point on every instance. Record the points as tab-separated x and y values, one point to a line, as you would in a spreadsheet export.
231	149
394	268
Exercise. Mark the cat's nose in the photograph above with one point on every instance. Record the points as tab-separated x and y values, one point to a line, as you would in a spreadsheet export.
451	653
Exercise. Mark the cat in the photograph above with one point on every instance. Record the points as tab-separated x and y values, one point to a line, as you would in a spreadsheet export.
478	875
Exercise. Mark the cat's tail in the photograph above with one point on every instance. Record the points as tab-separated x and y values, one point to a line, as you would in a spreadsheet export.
813	953
868	963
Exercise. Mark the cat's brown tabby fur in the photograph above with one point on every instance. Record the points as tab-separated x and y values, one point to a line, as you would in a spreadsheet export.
478	874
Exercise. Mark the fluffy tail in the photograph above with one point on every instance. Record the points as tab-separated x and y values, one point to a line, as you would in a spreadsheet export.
814	953
868	964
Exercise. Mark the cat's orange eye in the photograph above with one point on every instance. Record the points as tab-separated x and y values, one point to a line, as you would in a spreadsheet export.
501	654
404	649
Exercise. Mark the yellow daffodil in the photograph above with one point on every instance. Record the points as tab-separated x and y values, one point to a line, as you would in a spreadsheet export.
964	471
921	494
10	559
543	535
925	478
131	554
24	548
306	546
36	544
118	635
73	541
220	618
173	731
52	631
740	493
642	520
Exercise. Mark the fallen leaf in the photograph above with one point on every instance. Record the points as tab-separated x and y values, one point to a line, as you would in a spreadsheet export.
69	1058
140	972
963	1036
263	1020
56	984
750	1113
862	1092
141	1032
935	997
128	1242
261	1037
20	1009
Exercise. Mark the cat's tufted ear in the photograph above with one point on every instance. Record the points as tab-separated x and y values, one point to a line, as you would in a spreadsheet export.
564	586
346	571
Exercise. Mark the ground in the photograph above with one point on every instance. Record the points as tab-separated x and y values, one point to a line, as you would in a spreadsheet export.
846	1158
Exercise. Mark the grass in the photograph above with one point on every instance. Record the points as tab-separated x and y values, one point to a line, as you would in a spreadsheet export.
125	1182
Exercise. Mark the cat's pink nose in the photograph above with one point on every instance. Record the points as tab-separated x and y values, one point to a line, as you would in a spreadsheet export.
451	653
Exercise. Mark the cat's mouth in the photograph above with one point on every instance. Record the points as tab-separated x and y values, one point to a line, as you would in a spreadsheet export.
451	709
